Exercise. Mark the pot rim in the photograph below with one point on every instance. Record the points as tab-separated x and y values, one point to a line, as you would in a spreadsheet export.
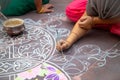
4	23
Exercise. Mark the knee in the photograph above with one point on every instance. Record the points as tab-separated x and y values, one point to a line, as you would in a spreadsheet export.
76	9
71	14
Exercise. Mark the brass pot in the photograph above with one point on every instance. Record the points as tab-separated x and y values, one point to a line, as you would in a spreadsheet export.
14	26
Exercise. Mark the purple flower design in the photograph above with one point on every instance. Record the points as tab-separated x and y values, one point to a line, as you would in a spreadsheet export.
51	69
52	77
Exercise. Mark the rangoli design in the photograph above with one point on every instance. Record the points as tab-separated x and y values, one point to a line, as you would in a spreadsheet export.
30	56
43	72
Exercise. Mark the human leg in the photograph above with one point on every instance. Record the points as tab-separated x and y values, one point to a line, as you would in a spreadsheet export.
115	29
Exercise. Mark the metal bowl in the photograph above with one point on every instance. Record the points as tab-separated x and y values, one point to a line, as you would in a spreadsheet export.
14	26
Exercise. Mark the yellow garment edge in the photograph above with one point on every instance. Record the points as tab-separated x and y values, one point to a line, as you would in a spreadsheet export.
42	10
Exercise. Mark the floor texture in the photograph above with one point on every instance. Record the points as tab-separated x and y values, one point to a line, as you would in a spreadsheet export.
32	55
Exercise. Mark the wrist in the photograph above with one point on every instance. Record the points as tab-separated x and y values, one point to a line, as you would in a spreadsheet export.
92	21
41	10
68	43
73	37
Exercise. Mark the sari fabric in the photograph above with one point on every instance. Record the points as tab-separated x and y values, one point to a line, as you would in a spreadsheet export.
103	8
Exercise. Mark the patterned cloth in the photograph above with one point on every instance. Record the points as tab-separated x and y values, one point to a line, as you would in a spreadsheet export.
76	9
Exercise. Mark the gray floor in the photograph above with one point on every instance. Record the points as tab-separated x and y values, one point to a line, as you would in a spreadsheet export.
96	56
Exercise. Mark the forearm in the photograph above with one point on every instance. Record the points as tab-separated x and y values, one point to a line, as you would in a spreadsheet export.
77	32
38	4
97	20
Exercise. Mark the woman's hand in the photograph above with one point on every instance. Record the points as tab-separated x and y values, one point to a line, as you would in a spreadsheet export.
62	45
47	8
86	22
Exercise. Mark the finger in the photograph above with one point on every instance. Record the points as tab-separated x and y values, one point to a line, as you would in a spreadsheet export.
61	41
83	19
58	47
50	6
81	23
49	10
59	44
64	46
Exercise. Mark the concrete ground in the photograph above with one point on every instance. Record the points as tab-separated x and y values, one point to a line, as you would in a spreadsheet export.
96	56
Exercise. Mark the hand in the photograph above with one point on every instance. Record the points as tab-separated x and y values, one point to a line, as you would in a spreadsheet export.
86	22
62	45
47	8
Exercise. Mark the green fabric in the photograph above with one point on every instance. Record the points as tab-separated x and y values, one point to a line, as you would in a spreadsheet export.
20	7
4	3
45	1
